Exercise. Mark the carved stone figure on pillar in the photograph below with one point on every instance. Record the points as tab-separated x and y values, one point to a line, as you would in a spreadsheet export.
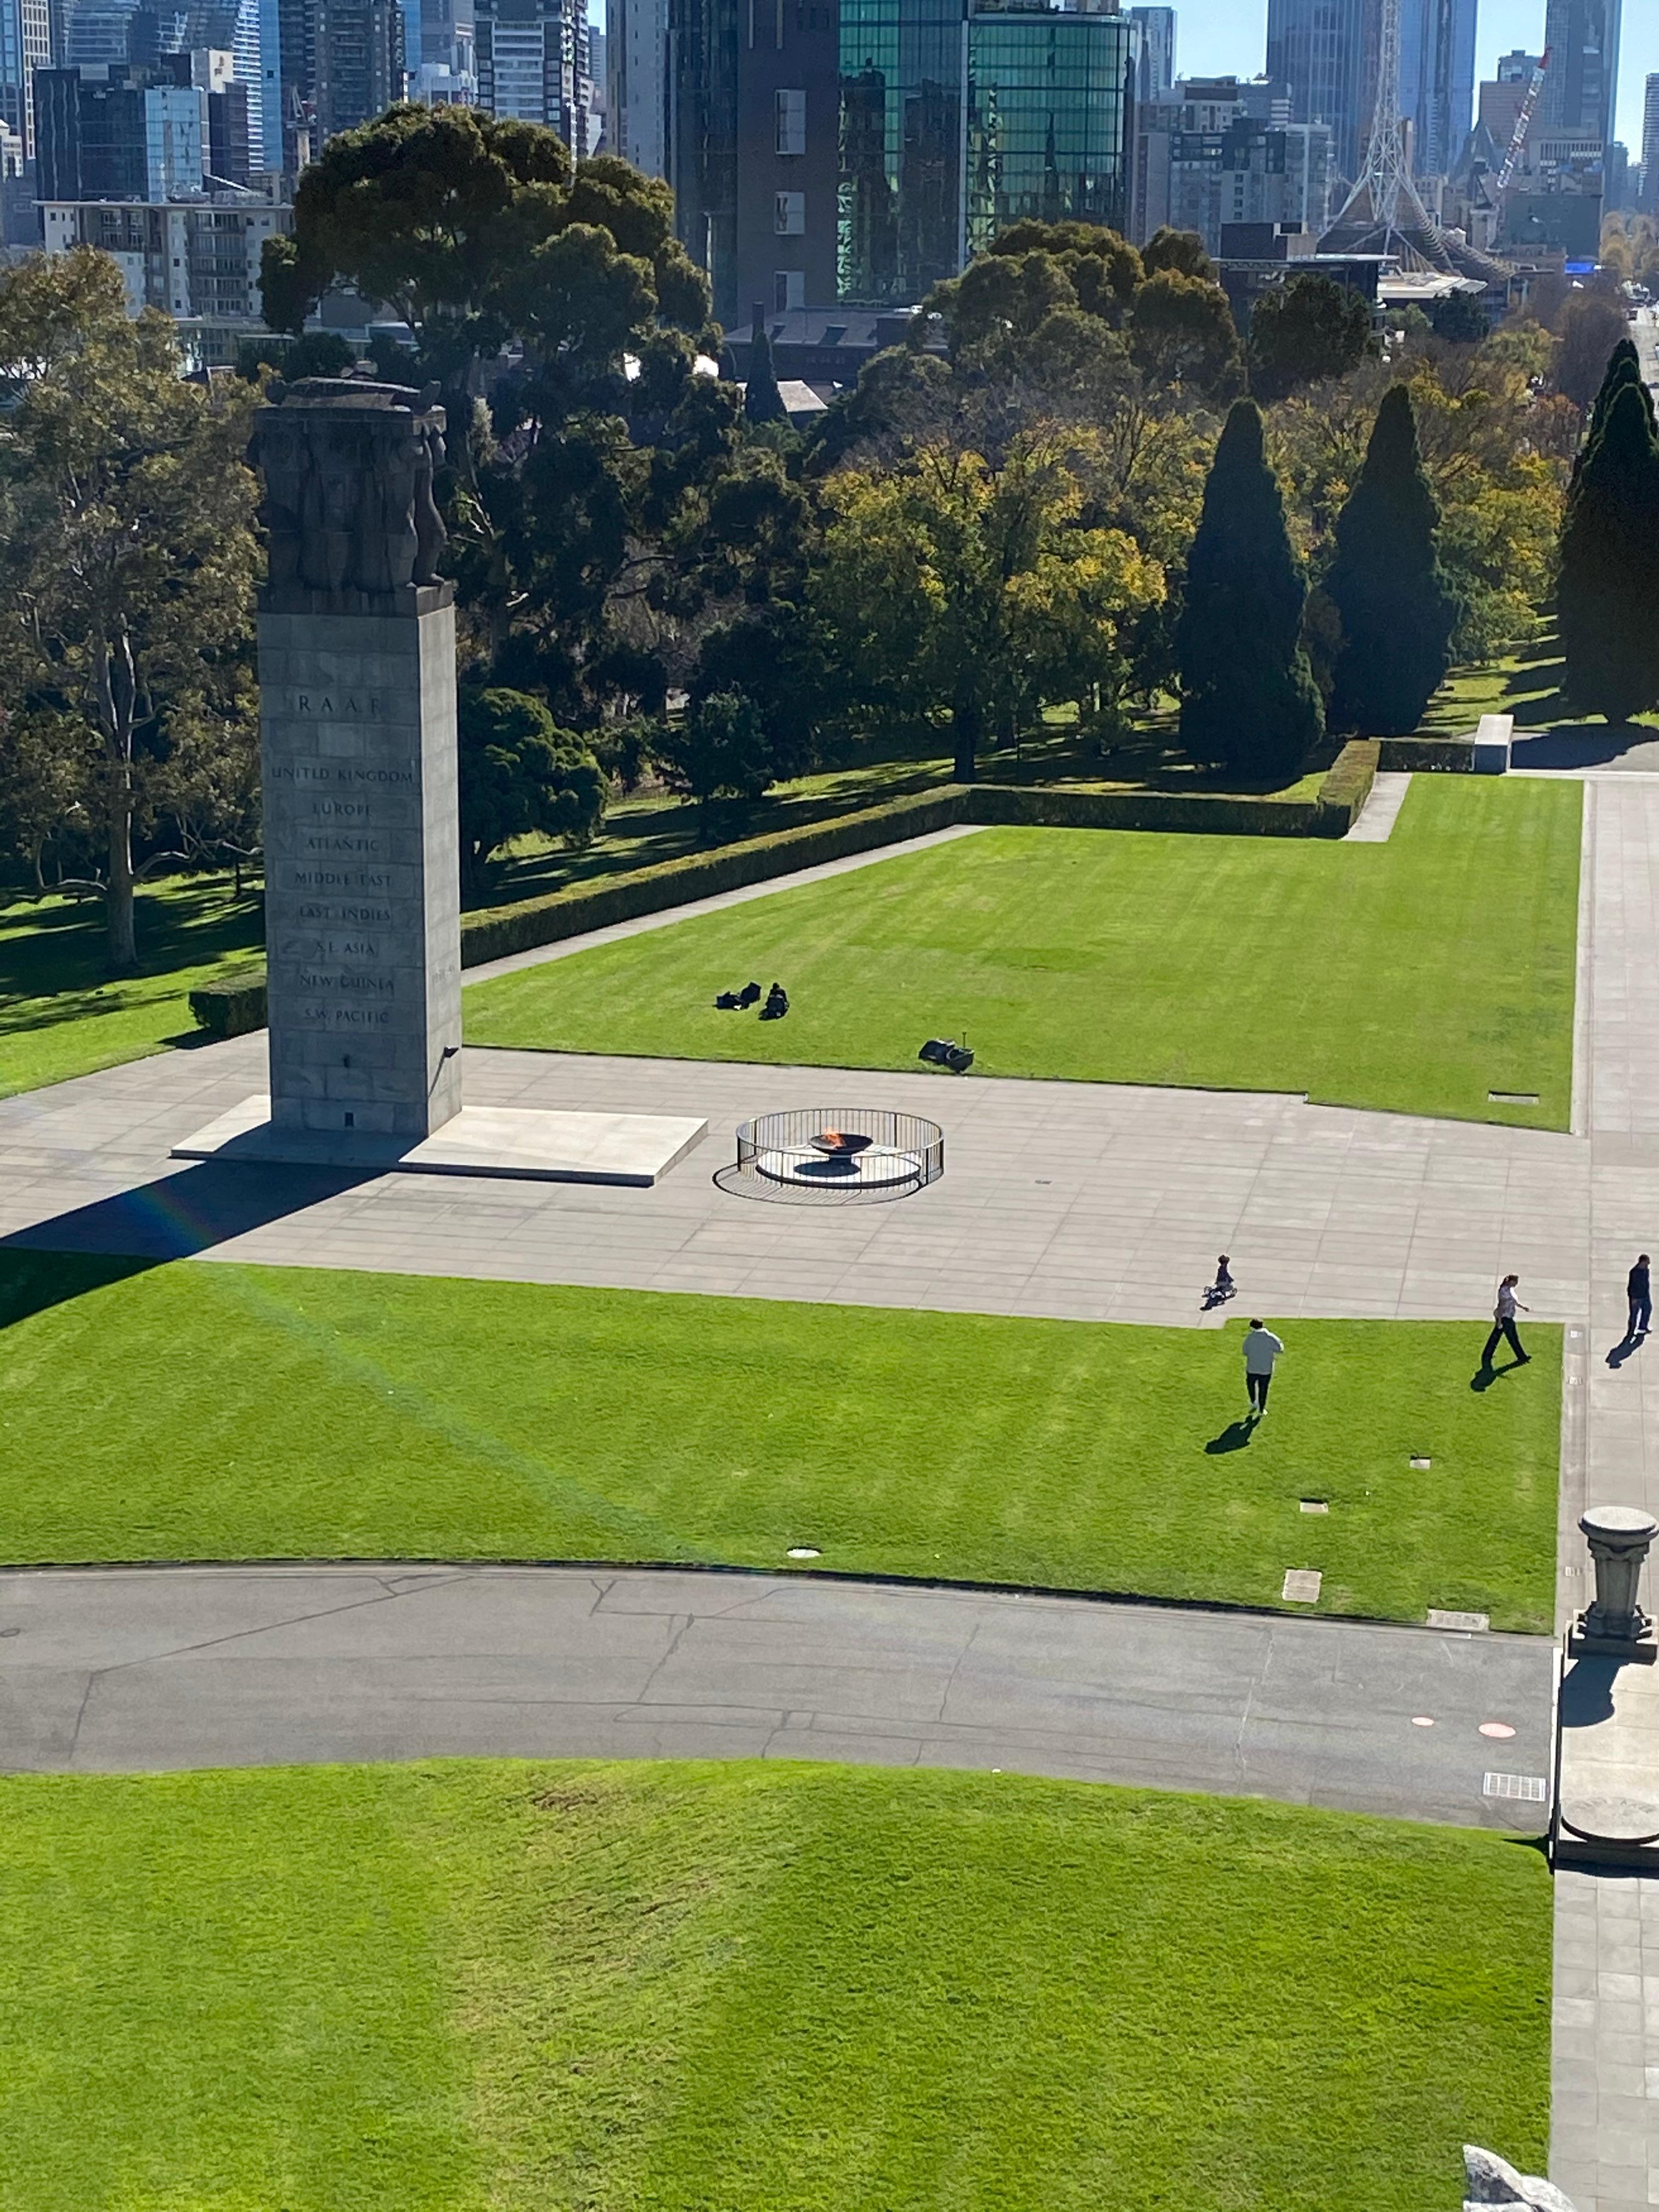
349	466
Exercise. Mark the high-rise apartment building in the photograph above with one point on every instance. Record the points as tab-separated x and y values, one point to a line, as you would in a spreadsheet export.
1650	144
1155	66
533	64
1501	97
359	62
440	51
1436	80
243	36
25	46
1616	194
1581	86
95	33
1325	52
341	63
753	148
637	83
197	261
1220	151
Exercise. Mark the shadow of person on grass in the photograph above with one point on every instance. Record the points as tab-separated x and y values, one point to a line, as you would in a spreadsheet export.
1232	1438
1484	1377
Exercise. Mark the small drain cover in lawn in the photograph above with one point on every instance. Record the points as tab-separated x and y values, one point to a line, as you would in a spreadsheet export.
1512	1097
1300	1586
1468	1624
1530	1789
1419	1462
1315	1505
802	1551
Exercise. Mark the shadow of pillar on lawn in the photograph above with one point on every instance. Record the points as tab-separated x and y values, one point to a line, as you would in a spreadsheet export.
176	1216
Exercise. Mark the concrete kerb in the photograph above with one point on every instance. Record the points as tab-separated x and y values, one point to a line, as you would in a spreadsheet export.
785	1571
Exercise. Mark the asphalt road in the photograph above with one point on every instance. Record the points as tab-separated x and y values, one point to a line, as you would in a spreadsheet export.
122	1669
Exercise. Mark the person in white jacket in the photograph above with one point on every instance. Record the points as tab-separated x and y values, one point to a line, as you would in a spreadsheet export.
1261	1349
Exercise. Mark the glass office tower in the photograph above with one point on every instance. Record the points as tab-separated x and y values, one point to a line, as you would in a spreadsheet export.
957	119
1049	99
899	226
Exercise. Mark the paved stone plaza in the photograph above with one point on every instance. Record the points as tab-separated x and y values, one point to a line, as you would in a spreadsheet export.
1092	1201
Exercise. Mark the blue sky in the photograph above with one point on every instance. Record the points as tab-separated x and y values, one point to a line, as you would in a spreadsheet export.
1219	35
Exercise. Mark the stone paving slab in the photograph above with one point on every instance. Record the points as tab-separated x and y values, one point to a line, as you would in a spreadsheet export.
515	1143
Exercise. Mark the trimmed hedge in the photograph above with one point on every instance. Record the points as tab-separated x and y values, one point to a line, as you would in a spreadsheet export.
1348	787
233	1006
1423	755
498	931
1217	814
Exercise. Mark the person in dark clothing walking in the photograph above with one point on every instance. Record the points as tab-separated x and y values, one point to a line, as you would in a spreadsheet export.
1503	1325
1261	1349
1639	1293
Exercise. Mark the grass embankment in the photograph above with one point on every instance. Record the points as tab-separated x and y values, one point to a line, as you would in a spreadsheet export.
212	1411
61	1015
1416	975
450	1988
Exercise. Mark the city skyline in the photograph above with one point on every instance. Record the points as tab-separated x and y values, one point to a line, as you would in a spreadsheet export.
1216	36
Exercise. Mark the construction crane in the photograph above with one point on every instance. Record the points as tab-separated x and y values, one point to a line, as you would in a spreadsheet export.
1523	125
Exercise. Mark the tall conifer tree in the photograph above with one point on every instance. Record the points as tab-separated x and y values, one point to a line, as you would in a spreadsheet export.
1607	596
1386	581
1248	700
1623	366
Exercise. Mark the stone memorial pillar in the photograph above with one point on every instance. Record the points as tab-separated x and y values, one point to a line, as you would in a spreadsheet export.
358	762
1619	1538
363	828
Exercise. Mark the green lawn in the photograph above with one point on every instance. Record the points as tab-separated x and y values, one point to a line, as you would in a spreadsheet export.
751	1987
1415	975
61	1015
1527	683
206	1410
